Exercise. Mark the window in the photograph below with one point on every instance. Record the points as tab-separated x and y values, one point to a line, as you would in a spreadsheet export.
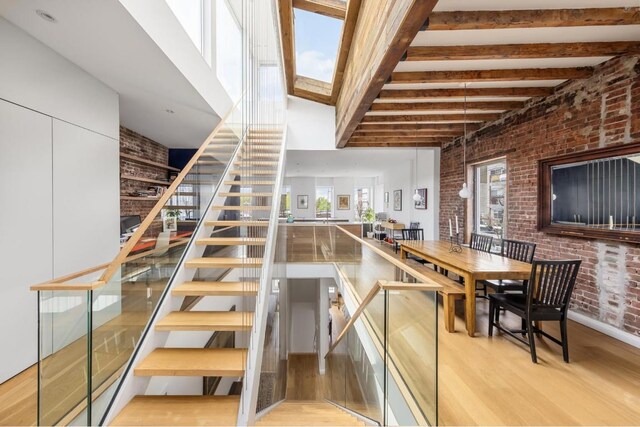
228	50
285	201
490	198
324	202
316	40
190	14
362	201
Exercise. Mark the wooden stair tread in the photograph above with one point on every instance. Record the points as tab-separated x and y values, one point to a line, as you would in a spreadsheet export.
213	262
230	241
236	223
199	362
291	413
253	172
215	289
256	163
206	321
246	194
179	411
249	182
241	208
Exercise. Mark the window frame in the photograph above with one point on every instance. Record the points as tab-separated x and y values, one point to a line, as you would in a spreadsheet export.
475	200
545	224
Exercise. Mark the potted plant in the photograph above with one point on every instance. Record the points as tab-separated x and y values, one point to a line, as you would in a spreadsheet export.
368	216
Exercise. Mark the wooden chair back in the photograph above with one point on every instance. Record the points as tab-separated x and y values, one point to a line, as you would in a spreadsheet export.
520	251
480	242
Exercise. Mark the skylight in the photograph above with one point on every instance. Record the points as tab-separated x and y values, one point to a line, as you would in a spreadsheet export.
317	38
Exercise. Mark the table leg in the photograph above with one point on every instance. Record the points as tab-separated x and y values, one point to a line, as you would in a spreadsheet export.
470	303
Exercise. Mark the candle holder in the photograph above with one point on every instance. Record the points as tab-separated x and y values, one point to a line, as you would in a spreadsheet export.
455	244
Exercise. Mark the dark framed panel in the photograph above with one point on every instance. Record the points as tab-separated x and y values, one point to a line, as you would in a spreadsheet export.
591	194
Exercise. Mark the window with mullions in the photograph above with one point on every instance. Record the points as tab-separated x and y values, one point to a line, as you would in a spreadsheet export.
324	202
490	199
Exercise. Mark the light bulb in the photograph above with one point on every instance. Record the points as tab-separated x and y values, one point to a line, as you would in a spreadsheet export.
464	193
417	197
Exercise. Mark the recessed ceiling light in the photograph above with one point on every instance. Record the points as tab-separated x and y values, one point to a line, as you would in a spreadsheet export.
169	111
46	16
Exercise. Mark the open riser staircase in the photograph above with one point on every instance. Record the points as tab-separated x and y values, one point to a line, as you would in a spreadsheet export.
240	225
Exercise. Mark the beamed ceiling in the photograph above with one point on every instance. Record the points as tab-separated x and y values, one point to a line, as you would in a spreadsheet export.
496	58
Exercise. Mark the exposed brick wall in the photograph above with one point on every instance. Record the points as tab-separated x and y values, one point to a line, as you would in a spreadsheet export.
137	145
601	111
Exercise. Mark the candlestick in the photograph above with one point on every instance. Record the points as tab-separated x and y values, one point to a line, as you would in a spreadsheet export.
450	229
457	231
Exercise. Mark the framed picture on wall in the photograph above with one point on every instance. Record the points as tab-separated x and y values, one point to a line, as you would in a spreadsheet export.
303	201
397	200
422	204
344	202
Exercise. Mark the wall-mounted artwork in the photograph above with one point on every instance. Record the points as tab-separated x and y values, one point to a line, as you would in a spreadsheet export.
422	204
303	201
397	200
344	202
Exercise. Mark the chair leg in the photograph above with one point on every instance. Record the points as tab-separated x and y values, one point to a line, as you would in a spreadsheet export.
492	309
524	327
532	341
564	339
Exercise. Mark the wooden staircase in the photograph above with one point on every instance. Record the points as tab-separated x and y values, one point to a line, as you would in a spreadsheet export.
312	413
258	175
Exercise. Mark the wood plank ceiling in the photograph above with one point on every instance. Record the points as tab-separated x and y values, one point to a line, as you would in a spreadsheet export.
305	87
502	57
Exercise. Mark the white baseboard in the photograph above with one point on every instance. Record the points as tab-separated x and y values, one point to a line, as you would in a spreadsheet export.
606	329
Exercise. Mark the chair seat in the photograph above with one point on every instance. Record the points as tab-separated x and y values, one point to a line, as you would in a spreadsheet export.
517	303
504	285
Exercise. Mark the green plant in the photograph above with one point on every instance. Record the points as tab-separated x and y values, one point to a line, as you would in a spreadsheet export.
171	213
369	215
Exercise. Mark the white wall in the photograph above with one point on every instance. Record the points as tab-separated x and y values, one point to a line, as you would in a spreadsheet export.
303	302
311	126
58	154
401	177
341	186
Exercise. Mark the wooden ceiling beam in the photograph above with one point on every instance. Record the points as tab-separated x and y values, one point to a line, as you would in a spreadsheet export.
521	51
470	117
496	19
491	75
405	139
425	106
348	29
285	14
312	89
331	8
393	144
443	93
408	133
383	33
432	127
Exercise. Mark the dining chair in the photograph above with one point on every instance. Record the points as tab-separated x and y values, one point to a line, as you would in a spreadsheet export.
512	249
547	299
414	234
481	242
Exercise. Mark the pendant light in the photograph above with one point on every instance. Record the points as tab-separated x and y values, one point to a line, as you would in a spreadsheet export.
416	196
464	192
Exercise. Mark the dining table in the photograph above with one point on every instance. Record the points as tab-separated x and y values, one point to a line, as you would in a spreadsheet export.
470	264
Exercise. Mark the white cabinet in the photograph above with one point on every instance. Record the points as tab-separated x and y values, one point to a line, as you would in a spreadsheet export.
26	230
86	198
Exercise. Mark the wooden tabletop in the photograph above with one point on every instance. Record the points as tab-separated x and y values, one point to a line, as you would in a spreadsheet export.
470	264
482	265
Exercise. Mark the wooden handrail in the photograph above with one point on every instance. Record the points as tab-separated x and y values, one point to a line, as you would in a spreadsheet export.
157	208
381	285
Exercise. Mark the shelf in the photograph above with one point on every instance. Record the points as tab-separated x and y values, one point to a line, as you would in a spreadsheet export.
123	197
141	179
148	162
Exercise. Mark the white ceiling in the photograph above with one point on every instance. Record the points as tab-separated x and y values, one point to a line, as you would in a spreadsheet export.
347	162
102	38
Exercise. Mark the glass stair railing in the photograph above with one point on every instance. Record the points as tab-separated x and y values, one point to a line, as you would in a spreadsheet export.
383	365
91	327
